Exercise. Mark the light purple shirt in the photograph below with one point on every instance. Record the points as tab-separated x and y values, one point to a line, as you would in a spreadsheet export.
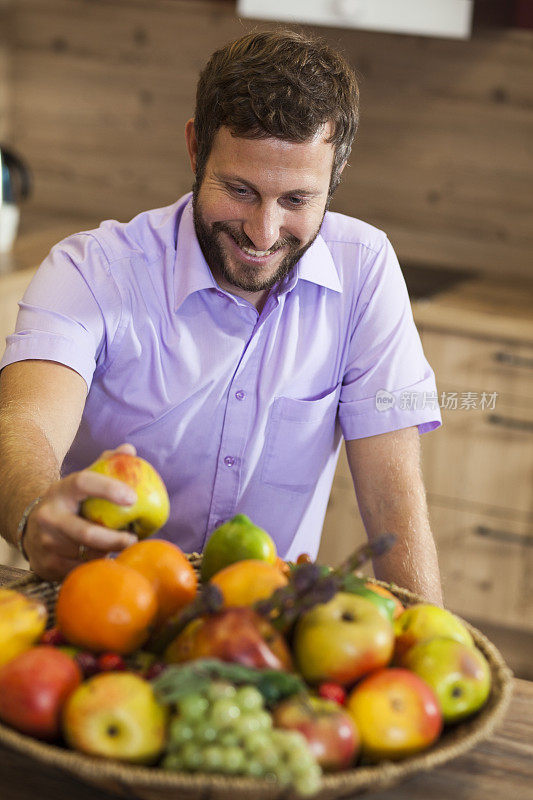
238	411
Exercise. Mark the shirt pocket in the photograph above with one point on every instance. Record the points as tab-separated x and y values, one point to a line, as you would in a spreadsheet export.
299	440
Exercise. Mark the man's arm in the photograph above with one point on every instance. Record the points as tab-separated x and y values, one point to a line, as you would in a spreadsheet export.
41	403
390	492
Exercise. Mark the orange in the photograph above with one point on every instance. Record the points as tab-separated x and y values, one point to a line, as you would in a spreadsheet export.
103	605
245	582
168	570
375	587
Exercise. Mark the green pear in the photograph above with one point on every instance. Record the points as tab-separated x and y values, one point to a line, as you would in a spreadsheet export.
116	715
459	675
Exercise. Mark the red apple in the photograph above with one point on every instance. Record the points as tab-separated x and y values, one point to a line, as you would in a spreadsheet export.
33	689
148	514
342	640
237	634
397	714
330	731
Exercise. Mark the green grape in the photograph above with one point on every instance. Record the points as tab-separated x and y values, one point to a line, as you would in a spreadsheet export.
180	731
309	782
173	761
213	757
253	767
248	698
257	740
205	732
192	757
193	707
268	756
224	712
250	723
228	738
282	773
234	760
218	689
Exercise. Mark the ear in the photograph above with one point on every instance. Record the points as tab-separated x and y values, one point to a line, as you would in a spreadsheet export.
192	144
341	168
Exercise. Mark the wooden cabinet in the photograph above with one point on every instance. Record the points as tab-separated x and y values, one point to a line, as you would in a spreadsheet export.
478	467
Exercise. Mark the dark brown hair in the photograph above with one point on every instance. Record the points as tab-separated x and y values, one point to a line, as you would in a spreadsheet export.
279	84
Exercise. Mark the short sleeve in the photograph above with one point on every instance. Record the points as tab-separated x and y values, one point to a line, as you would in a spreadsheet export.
388	383
70	311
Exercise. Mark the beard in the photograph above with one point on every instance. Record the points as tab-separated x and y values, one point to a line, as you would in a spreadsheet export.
219	262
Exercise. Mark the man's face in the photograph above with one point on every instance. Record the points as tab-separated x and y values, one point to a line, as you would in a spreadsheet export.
259	207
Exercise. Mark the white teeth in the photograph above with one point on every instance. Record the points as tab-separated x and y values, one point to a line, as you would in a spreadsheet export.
256	253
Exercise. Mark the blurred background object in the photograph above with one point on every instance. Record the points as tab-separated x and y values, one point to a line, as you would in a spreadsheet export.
15	185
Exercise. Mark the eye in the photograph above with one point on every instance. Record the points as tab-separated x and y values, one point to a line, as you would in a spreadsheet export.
240	191
295	201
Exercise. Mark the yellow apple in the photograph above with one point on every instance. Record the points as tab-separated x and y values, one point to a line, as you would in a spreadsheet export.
425	621
116	715
342	640
148	514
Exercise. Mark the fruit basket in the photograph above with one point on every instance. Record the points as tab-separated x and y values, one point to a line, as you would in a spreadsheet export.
152	783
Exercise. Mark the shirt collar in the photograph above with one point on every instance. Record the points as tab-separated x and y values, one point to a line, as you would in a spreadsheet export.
192	274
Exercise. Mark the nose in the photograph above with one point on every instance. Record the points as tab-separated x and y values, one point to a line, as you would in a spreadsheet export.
263	224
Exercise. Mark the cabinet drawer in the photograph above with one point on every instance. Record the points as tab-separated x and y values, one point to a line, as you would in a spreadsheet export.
482	456
486	564
467	364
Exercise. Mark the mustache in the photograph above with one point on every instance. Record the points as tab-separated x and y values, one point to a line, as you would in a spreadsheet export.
244	241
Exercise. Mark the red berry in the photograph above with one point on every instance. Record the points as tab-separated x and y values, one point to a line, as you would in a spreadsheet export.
332	691
53	637
87	662
154	670
111	662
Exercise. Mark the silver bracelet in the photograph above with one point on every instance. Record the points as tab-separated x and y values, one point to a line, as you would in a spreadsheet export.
21	527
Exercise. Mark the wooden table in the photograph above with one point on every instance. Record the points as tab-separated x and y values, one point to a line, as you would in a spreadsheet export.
502	766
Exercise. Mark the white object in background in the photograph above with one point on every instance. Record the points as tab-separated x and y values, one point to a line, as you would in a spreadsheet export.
9	222
444	18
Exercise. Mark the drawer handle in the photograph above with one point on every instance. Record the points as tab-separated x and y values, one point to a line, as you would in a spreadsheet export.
509	422
503	536
512	360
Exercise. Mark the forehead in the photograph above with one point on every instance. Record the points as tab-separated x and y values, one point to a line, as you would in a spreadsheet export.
312	159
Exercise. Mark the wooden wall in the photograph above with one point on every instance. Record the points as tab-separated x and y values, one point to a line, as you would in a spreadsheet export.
443	162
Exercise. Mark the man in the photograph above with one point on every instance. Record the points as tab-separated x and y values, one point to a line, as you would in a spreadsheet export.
232	338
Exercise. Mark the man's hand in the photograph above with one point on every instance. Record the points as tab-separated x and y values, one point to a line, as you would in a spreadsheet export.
55	531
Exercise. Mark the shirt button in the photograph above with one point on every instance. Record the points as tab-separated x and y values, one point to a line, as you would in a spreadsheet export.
221	294
229	461
240	395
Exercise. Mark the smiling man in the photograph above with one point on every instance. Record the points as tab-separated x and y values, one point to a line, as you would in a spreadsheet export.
234	338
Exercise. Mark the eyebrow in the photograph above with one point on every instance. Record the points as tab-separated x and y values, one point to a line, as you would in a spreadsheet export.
238	179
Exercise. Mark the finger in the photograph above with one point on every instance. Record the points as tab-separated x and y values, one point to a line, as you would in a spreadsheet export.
96	538
127	448
122	448
80	485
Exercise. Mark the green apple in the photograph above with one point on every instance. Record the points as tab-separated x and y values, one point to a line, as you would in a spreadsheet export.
148	514
425	621
459	675
116	715
342	640
236	540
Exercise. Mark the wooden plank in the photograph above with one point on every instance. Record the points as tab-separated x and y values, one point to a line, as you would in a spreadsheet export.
442	162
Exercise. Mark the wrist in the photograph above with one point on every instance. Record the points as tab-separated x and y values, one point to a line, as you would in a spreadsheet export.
22	527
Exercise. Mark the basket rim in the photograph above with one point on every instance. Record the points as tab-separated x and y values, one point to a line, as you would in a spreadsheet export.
454	741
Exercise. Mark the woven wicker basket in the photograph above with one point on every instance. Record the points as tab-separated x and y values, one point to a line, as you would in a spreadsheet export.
151	783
